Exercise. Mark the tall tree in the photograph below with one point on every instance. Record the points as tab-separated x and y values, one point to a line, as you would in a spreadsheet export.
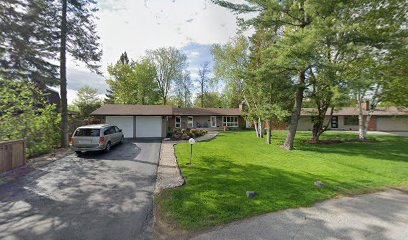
169	64
87	101
133	82
231	61
211	100
35	33
374	52
28	41
293	43
203	80
77	32
183	90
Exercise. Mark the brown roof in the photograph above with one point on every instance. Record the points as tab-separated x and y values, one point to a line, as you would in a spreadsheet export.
130	110
160	110
206	111
353	111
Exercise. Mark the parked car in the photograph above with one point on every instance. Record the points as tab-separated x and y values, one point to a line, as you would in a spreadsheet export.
98	137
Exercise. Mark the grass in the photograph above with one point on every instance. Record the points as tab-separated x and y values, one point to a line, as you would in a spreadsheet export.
236	162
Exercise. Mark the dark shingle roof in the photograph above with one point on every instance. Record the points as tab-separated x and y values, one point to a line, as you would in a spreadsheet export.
353	111
130	110
206	111
159	110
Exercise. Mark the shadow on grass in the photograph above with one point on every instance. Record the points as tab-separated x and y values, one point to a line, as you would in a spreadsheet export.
215	192
388	148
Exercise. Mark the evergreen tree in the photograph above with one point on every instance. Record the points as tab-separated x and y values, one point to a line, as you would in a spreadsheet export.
77	35
28	41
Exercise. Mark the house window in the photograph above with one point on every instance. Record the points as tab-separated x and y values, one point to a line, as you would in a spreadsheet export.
351	120
178	122
231	121
190	122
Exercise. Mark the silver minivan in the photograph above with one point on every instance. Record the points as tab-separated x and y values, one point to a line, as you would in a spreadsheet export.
96	137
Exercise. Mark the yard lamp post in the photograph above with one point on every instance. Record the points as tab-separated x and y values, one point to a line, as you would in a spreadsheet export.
191	141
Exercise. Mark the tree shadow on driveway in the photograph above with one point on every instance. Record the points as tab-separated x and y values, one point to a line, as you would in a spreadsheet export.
99	196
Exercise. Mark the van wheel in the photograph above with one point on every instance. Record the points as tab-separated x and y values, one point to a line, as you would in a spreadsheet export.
108	147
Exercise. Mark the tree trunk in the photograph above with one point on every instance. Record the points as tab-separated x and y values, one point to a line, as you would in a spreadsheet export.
290	138
261	128
269	132
63	77
361	134
256	128
202	95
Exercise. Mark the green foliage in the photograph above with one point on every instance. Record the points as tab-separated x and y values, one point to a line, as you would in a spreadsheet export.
87	101
169	64
185	134
235	162
28	43
133	82
24	113
230	65
183	87
210	100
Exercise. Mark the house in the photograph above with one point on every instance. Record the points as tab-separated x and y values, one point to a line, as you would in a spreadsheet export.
157	120
346	118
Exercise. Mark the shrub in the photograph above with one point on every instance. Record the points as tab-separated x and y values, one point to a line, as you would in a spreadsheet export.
185	134
25	114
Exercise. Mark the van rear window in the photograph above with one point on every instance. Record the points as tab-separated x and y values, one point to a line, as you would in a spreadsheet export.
87	132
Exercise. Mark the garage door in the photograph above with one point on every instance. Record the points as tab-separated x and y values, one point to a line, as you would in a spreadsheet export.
123	122
148	126
392	123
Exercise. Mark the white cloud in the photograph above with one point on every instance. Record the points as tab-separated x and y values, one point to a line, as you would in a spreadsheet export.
72	95
137	26
193	54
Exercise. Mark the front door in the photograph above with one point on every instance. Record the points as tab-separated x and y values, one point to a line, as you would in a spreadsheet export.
213	121
334	122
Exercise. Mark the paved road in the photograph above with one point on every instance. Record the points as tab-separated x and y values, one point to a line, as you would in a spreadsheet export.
96	196
382	216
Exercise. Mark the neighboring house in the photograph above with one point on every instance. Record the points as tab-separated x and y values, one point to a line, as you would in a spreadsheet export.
157	120
346	118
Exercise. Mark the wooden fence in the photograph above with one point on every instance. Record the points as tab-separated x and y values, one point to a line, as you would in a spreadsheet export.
12	154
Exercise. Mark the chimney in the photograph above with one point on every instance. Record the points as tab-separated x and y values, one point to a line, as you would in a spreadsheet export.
242	106
367	105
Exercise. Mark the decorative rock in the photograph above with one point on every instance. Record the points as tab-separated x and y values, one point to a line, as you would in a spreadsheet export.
319	184
250	194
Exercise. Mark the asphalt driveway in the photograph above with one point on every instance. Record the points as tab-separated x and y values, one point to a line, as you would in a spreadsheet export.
95	196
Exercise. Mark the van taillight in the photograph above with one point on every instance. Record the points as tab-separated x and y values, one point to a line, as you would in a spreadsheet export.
101	139
71	141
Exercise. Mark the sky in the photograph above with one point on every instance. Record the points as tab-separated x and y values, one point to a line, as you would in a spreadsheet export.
135	26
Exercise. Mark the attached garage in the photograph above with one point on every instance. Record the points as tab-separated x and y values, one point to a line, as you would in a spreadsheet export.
136	121
123	122
148	126
385	123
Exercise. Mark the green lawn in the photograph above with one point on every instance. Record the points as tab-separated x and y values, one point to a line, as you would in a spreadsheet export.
236	162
